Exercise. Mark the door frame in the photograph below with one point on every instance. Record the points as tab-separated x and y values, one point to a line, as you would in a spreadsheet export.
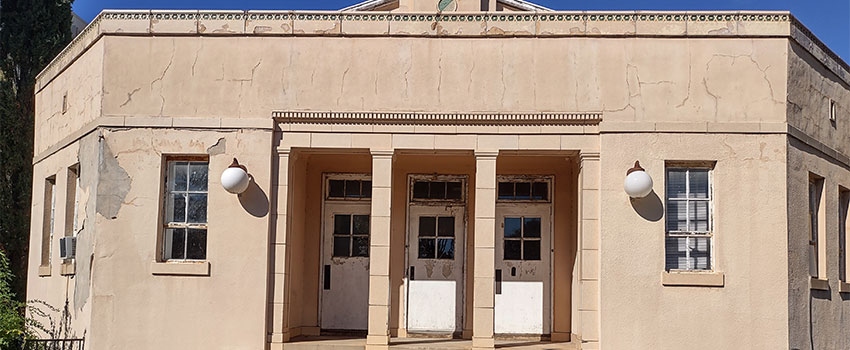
410	201
326	177
550	202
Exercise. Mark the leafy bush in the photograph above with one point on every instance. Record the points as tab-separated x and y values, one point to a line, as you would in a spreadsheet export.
12	318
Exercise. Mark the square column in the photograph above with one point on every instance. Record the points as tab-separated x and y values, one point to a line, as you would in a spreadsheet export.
378	336
483	298
279	260
588	260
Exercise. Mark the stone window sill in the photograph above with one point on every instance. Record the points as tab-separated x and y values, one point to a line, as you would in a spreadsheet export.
843	287
181	268
44	271
819	284
693	279
68	268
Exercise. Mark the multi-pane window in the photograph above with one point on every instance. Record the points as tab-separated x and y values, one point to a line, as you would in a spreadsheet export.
48	219
72	200
522	238
186	210
436	237
351	235
349	189
815	222
437	190
524	190
688	243
844	207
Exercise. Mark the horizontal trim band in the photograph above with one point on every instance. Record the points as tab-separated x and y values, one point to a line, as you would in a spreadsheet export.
414	118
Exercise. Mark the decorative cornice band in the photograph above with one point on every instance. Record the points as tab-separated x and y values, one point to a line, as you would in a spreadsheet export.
447	24
415	118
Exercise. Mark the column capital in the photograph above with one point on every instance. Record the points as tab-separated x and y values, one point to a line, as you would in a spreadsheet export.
486	154
284	151
381	153
588	155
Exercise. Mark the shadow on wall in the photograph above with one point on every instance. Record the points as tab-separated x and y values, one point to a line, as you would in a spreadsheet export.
650	207
254	200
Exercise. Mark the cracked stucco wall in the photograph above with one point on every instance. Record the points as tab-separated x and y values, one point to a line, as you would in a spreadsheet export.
629	79
126	295
81	85
818	319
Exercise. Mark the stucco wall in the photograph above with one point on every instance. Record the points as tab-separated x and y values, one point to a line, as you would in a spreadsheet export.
82	83
629	79
817	318
748	312
135	309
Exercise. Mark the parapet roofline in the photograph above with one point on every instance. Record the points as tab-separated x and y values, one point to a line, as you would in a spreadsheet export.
369	5
547	24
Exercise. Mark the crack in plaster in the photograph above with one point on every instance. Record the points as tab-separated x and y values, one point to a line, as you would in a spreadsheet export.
130	96
162	76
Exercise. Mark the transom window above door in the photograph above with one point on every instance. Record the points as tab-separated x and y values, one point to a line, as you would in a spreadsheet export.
348	187
351	235
522	238
524	189
436	237
437	188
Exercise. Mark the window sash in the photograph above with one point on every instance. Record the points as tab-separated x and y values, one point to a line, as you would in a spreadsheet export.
690	234
169	225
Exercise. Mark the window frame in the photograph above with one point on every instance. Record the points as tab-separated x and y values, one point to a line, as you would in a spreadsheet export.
817	222
413	178
48	220
436	238
548	179
326	190
710	233
522	238
351	235
843	216
165	224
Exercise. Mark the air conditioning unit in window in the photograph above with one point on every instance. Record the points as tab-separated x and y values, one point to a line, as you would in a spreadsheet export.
67	247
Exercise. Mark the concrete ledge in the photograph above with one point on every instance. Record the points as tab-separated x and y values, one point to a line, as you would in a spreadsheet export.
843	287
819	284
201	268
44	271
693	279
68	268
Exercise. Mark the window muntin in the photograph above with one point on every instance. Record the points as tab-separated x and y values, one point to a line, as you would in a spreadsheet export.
689	236
437	190
351	235
522	238
48	219
349	189
186	210
523	191
436	237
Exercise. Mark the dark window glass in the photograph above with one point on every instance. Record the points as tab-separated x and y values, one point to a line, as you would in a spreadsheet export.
198	176
427	226
179	212
180	177
532	227
361	225
197	244
446	226
337	188
342	246
531	250
426	248
446	248
454	190
178	243
512	250
366	192
342	224
513	228
360	246
197	208
523	190
420	190
506	190
540	190
437	191
352	188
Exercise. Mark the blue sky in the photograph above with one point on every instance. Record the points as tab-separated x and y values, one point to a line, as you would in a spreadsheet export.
828	19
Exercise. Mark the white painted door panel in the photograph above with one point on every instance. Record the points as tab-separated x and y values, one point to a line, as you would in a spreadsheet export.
523	254
435	288
345	291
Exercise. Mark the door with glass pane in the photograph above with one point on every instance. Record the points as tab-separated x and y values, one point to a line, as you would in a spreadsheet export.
523	278
435	268
345	266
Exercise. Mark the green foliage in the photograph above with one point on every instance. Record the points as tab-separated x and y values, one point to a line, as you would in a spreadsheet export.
32	32
12	321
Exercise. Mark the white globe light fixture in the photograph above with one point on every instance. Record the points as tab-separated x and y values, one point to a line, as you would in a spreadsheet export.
235	178
638	183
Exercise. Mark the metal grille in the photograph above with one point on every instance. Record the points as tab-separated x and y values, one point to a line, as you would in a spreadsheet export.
53	344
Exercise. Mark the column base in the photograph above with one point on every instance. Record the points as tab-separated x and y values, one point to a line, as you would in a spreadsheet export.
562	337
483	343
377	340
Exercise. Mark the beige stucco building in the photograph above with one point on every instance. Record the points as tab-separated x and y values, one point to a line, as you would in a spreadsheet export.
457	173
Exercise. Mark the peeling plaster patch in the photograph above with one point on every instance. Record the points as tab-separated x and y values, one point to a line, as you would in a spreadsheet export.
114	183
218	148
